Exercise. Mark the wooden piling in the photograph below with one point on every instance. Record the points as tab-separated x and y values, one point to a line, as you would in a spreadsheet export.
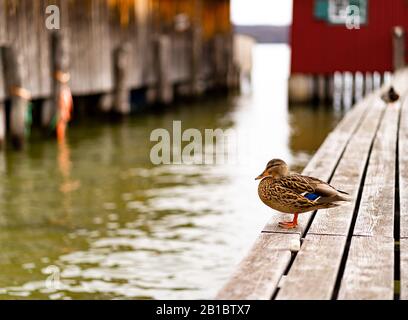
368	83
2	125
19	96
387	78
196	51
315	90
320	88
358	86
330	88
347	89
300	88
338	90
328	98
232	77
196	86
60	75
398	42
220	69
121	95
164	83
105	103
376	80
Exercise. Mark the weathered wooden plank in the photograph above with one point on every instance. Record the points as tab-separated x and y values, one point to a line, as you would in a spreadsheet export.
88	51
135	49
149	66
143	43
19	95
197	59
22	48
404	269
376	212
181	60
348	175
3	41
101	66
258	275
2	80
369	271
121	94
403	168
3	22
105	59
30	44
43	59
163	54
94	45
400	79
81	55
314	271
2	125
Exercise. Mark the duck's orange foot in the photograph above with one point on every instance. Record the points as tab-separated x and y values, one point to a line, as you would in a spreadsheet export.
288	225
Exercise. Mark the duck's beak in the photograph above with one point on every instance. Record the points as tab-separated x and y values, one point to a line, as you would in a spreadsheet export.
260	176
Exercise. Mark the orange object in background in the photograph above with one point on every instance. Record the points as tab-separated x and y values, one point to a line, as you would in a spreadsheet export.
65	105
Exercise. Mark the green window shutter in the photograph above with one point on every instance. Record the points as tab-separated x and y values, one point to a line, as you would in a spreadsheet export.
321	10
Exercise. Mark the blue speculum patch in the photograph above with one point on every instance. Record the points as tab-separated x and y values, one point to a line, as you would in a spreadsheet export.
312	196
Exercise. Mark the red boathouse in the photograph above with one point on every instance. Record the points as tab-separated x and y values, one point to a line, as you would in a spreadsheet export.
348	35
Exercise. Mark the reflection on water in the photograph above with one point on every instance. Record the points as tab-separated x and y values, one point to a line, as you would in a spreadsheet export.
91	217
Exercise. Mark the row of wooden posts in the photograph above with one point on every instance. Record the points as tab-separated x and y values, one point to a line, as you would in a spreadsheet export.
118	100
345	88
340	89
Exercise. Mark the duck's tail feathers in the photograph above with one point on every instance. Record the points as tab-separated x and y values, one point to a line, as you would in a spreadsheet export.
334	199
328	205
343	192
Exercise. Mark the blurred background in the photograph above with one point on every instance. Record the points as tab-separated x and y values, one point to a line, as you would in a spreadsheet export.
89	216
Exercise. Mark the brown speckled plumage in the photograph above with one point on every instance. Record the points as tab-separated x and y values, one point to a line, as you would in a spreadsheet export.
286	192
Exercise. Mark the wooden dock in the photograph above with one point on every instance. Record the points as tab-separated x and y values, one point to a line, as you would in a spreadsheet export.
95	29
109	49
356	251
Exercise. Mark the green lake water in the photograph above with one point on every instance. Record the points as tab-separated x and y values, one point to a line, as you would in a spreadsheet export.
94	218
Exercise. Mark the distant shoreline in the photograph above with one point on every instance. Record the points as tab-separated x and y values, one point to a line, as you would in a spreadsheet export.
265	33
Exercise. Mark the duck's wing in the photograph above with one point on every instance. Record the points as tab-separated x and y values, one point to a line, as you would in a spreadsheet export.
313	189
289	199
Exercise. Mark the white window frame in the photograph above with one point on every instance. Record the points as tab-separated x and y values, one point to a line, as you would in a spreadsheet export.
340	16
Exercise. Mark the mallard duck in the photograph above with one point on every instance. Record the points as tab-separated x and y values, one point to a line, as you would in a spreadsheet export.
294	193
390	96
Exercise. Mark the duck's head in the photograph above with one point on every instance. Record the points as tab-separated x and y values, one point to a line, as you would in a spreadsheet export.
275	168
